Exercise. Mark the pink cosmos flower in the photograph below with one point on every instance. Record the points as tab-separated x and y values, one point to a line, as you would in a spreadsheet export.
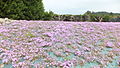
86	48
66	64
48	34
14	59
5	60
109	44
119	44
78	53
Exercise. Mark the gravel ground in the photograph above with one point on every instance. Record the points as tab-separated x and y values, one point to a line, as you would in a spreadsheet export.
55	44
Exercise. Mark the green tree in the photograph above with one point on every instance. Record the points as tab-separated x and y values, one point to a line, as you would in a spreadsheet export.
48	15
22	9
87	16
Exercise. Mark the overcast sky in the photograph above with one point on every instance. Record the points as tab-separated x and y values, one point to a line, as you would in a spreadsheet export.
81	6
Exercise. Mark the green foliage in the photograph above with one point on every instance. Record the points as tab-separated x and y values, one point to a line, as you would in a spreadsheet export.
29	34
106	18
116	19
101	16
88	16
34	10
21	9
48	15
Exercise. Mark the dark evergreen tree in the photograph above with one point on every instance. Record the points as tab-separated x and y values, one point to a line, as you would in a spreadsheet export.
22	9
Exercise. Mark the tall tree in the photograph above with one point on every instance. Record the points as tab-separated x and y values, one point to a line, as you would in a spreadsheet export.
22	9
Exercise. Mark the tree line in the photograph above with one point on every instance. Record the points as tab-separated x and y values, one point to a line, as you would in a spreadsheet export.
88	16
34	10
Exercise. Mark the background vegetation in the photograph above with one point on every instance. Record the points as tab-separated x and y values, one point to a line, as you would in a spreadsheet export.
34	10
90	17
22	9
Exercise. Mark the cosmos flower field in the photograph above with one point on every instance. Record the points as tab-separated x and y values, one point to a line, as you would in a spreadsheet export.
55	44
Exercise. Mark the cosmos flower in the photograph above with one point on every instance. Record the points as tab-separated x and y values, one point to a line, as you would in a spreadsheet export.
76	39
5	61
109	44
118	44
66	64
15	59
78	53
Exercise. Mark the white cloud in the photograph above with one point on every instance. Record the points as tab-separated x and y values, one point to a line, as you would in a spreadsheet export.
81	6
